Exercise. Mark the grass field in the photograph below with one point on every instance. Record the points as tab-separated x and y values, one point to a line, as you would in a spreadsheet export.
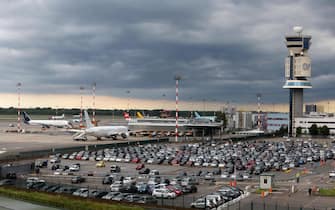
62	201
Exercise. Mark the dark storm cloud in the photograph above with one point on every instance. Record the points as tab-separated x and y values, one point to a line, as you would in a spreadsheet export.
224	50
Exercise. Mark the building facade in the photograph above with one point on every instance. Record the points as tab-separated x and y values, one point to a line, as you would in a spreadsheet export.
274	121
306	122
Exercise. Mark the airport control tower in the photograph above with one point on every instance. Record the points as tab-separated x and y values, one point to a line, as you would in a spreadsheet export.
297	73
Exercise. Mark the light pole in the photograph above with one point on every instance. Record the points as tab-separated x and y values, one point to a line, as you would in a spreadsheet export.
81	106
128	100
177	78
93	94
259	110
18	85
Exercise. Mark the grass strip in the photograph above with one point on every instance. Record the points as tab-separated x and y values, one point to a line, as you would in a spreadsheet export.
327	192
61	201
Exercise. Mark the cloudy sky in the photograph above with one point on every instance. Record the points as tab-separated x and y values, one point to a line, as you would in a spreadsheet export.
225	50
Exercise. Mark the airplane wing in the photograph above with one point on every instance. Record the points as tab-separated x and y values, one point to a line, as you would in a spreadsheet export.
75	130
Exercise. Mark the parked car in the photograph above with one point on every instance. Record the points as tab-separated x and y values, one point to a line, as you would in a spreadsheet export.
163	193
115	169
200	204
144	171
100	164
77	179
140	166
5	182
331	174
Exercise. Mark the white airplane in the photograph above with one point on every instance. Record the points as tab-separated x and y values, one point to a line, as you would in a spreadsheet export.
46	123
204	118
100	131
58	117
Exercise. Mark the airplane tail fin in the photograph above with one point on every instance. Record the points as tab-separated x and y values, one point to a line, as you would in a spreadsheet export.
139	115
88	120
197	114
126	116
26	117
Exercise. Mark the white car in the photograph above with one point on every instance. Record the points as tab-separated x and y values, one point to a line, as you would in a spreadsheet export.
54	160
331	174
128	180
74	168
163	193
58	171
80	191
116	186
34	180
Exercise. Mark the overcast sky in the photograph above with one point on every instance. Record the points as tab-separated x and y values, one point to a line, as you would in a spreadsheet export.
224	50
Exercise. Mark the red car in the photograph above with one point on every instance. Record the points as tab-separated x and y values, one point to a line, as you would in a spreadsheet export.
140	166
175	190
135	160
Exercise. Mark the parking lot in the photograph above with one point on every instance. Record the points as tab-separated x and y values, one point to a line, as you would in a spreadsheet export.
211	165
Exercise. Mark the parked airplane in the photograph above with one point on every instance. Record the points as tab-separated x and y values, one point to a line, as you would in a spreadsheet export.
100	131
46	123
204	118
58	117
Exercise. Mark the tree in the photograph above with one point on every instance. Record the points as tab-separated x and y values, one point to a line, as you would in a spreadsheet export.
221	117
299	131
282	131
313	130
324	131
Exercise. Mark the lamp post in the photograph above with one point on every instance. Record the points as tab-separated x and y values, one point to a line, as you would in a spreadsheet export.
81	106
18	85
259	110
177	78
93	95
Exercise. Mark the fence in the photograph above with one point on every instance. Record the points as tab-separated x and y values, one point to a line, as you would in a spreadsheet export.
184	201
268	205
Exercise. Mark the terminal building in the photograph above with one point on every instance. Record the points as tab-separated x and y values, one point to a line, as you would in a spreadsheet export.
306	122
274	121
310	108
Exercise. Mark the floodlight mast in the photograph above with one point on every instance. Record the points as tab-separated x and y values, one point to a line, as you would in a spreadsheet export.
177	78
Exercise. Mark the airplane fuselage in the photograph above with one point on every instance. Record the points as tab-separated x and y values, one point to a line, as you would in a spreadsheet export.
106	131
49	123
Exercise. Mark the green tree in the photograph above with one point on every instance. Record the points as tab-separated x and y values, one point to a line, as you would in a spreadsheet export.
282	131
324	131
299	131
313	130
